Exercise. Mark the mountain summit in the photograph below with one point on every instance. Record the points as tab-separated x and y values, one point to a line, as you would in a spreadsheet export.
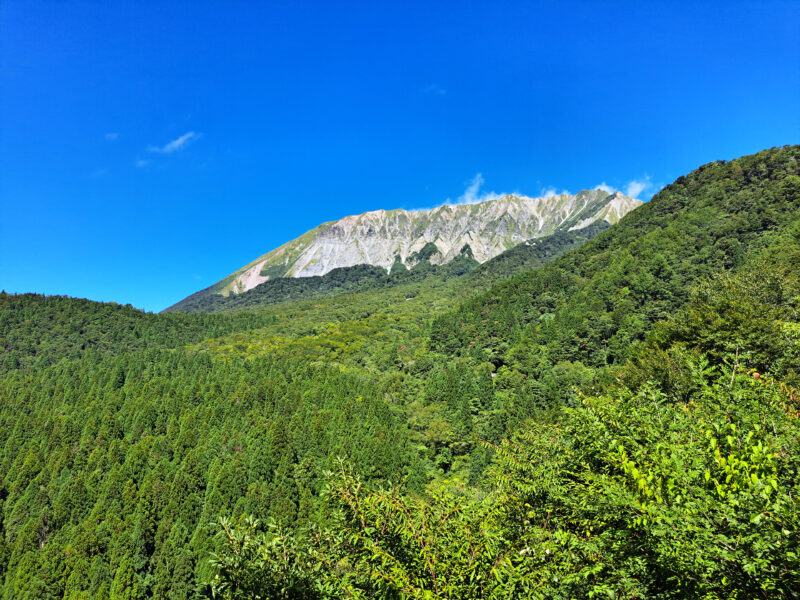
385	238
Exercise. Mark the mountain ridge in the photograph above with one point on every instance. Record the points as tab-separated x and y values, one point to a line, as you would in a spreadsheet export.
528	255
128	434
382	238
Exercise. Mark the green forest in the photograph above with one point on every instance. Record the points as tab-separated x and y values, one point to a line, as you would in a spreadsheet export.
607	413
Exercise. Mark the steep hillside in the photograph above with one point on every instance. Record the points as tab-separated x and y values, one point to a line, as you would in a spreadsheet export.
535	253
383	238
526	256
673	471
647	382
37	331
591	304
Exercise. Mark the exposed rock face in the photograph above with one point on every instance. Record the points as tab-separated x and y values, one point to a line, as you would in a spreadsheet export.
382	237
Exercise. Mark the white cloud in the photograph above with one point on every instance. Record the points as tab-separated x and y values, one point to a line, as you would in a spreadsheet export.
175	144
549	192
637	186
473	194
434	89
642	188
142	163
111	137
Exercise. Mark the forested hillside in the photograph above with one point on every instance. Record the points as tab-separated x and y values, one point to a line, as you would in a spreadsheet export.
591	304
398	238
619	422
41	330
533	254
365	278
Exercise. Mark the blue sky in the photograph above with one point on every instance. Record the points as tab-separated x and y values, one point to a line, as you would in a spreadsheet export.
148	149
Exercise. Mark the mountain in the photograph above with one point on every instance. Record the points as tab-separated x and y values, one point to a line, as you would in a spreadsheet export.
532	254
647	380
590	305
471	275
383	238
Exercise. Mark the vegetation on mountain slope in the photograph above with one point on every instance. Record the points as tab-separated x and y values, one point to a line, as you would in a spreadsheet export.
37	331
676	479
622	422
364	278
590	305
629	495
383	238
533	254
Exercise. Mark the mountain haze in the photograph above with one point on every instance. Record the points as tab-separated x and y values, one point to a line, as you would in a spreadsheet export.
383	238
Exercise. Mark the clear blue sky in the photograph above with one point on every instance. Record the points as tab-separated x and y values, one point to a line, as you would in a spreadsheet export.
148	149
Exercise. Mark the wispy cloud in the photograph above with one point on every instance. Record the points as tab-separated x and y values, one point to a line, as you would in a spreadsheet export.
434	89
111	137
175	144
549	192
473	193
635	187
140	162
606	188
642	188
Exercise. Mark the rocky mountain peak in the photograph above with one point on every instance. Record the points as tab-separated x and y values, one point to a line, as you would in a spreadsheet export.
387	237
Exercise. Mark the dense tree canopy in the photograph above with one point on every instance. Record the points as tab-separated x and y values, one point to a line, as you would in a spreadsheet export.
618	419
